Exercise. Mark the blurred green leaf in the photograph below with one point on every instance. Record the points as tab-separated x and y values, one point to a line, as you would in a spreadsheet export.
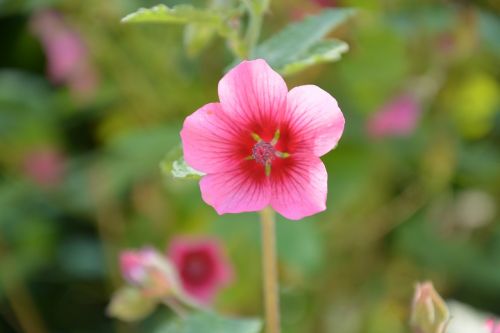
300	244
9	7
83	257
207	322
489	25
128	304
197	37
178	14
174	165
202	23
298	39
321	52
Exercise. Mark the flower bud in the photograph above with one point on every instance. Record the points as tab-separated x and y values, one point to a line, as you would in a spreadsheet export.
150	272
429	312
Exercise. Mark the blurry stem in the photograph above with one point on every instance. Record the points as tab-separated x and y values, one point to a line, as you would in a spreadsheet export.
22	304
253	31
269	271
175	307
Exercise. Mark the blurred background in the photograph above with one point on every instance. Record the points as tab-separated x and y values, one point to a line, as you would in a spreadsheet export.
89	107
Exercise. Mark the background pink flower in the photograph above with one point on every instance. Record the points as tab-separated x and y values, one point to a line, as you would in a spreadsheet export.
202	266
493	326
261	144
44	166
397	118
67	56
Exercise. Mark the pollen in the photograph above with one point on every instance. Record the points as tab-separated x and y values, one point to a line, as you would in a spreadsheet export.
263	152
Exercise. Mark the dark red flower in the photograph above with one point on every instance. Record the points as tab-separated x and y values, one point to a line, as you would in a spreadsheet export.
202	266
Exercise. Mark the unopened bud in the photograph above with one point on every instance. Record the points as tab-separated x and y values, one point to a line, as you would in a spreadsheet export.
149	271
429	312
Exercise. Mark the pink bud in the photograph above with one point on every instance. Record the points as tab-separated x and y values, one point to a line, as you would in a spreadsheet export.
429	312
150	271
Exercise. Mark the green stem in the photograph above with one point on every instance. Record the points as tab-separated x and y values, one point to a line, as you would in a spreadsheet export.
253	31
269	271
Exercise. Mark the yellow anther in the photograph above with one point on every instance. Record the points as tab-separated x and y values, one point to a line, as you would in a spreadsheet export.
256	137
276	137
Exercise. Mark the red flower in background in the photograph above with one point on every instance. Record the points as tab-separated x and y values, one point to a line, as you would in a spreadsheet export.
202	266
67	56
399	117
44	166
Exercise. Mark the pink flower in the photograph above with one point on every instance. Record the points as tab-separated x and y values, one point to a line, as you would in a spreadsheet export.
261	144
44	166
397	118
67	56
492	326
150	271
202	266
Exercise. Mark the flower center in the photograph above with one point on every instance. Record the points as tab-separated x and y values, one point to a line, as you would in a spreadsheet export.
263	152
197	269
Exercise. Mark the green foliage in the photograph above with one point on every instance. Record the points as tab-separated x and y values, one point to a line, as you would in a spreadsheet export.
174	165
321	52
128	304
300	44
208	322
178	14
201	24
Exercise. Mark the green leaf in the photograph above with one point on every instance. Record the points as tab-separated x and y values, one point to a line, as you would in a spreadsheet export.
297	39
197	37
128	304
174	165
177	14
211	323
202	24
321	52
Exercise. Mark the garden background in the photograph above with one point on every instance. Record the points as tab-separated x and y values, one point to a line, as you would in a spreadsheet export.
413	196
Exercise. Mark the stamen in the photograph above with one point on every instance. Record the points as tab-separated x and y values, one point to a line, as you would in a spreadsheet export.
268	169
276	137
264	152
256	137
282	154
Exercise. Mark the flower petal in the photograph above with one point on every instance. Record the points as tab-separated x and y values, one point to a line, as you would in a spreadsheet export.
314	118
299	188
208	140
253	93
236	191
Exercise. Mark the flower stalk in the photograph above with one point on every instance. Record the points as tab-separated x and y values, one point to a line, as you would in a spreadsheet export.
269	271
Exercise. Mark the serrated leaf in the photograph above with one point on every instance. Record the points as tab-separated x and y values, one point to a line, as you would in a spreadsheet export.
297	38
207	322
321	52
180	169
174	165
178	14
